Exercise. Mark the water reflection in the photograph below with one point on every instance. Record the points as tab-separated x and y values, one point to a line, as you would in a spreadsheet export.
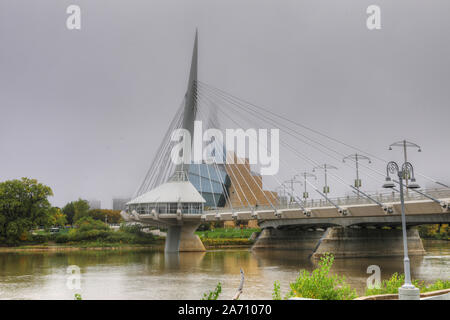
154	275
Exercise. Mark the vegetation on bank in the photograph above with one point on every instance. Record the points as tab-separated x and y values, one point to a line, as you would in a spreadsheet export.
227	233
96	233
435	231
213	295
26	217
218	243
23	206
391	285
319	284
222	237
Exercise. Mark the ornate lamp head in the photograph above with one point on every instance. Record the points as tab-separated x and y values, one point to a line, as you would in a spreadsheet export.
413	184
388	183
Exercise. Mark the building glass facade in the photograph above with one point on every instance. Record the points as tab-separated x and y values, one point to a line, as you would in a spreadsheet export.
212	190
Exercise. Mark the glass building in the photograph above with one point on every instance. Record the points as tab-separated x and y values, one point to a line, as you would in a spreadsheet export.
211	181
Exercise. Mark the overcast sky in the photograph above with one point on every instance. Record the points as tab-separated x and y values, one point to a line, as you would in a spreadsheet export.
84	111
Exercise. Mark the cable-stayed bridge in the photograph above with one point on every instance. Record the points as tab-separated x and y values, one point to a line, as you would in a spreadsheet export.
226	187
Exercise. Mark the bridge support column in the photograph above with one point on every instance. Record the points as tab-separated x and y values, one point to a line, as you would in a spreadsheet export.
183	239
362	242
288	239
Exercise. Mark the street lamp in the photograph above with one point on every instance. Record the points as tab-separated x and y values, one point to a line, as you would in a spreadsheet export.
408	291
282	192
405	144
356	157
325	167
306	174
292	181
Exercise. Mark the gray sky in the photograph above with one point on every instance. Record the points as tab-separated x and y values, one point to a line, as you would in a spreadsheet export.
84	111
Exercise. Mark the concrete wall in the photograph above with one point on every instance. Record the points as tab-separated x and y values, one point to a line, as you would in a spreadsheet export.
183	239
350	242
288	239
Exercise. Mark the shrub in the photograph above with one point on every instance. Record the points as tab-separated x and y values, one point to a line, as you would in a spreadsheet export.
438	285
276	295
88	224
133	229
391	285
62	238
39	238
213	295
319	284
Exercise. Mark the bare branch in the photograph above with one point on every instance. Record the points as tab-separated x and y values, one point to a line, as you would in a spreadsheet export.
241	287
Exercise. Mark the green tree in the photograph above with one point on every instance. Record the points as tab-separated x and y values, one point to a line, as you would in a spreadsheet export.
112	216
88	224
56	217
81	208
69	211
23	205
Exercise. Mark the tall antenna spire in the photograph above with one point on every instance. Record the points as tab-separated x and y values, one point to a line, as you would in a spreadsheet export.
190	106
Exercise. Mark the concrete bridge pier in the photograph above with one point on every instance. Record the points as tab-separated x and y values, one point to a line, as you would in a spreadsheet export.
345	242
181	238
288	239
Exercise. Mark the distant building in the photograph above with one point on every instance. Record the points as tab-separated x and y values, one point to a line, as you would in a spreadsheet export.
119	203
95	204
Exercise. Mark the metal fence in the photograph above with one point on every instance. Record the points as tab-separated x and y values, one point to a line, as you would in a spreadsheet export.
382	197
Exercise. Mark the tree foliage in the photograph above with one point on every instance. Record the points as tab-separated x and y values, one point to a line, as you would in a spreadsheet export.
23	205
56	217
81	209
69	211
112	216
435	231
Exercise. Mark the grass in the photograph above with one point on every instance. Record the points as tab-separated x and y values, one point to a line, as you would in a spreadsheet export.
221	237
227	233
215	243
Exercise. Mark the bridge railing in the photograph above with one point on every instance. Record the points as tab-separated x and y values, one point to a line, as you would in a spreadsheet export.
382	197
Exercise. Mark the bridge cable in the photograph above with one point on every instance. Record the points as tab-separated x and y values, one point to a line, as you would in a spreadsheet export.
316	131
251	175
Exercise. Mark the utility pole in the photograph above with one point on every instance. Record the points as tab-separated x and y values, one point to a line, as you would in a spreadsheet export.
325	167
356	157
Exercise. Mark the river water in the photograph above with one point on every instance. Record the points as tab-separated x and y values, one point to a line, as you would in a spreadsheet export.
154	275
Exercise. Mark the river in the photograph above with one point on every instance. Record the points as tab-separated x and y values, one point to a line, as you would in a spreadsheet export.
153	275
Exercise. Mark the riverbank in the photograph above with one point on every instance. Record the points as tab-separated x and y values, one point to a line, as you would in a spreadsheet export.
157	246
85	246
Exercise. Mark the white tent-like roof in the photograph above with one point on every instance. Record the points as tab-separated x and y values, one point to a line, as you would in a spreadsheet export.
171	192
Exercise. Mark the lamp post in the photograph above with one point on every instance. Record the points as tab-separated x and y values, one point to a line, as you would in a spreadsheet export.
408	291
405	144
325	167
292	181
306	174
356	157
282	190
